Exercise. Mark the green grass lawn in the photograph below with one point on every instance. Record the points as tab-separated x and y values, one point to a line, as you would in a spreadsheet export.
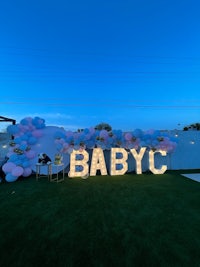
131	220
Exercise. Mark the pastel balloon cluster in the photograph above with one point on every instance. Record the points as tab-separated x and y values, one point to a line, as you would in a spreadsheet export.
25	134
29	133
90	138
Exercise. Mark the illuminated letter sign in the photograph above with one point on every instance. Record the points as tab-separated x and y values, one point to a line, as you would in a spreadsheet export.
138	158
80	163
121	161
118	165
98	162
152	165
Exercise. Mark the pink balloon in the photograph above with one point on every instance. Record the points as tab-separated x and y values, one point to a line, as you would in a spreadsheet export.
62	141
150	131
128	136
65	145
17	171
23	128
27	172
8	167
30	154
69	133
103	133
37	133
92	130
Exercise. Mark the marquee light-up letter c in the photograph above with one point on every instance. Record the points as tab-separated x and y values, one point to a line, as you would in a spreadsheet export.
152	165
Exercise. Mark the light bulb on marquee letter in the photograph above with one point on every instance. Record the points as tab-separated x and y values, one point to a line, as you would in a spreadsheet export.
74	163
138	158
98	162
115	161
152	165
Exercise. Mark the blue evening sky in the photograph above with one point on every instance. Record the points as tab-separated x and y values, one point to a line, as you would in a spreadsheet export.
130	63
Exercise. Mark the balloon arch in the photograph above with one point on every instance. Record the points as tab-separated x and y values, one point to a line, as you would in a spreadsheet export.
32	137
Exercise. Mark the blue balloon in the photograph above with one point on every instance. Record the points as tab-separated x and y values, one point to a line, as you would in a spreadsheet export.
13	158
137	133
59	135
13	129
86	131
79	156
32	140
78	168
24	121
119	166
26	164
10	178
59	147
38	122
17	140
23	147
119	155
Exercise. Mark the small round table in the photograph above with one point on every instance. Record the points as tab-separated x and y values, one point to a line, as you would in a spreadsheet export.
39	167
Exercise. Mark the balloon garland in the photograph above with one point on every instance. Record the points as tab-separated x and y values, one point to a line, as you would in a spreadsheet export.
28	132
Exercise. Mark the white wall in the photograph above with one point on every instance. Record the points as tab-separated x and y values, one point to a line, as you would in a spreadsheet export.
186	155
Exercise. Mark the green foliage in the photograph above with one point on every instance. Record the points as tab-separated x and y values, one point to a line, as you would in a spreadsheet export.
193	126
103	126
